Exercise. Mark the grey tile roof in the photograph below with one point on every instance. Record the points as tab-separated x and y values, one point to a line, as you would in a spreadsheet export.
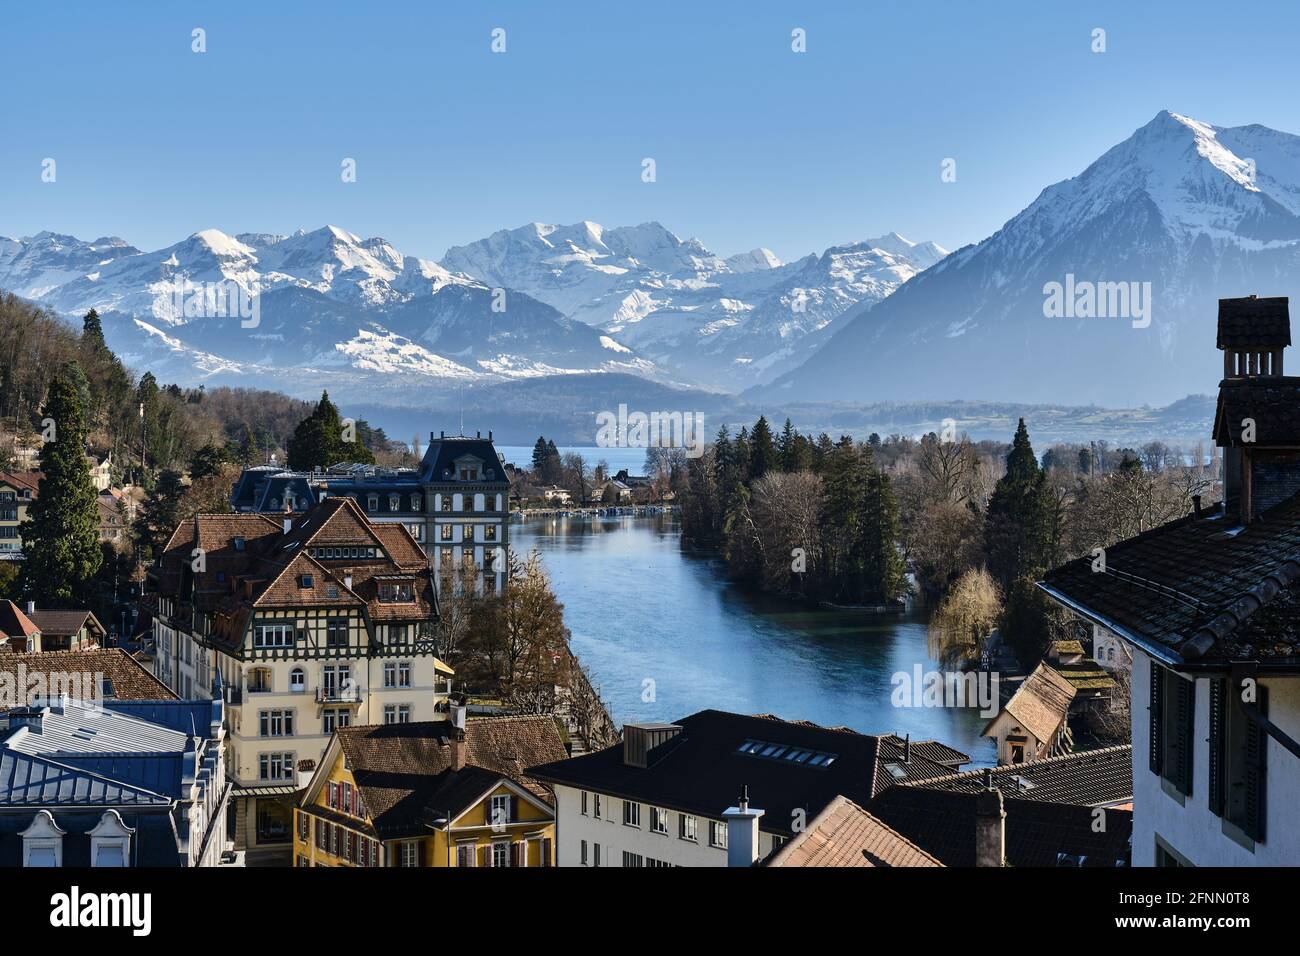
1092	778
1254	322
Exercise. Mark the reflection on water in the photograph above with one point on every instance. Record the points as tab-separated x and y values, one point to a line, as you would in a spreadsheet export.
642	610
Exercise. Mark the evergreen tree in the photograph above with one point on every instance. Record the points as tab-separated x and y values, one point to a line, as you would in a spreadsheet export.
539	455
92	335
318	440
61	533
160	513
207	461
787	447
1015	534
844	497
762	452
884	567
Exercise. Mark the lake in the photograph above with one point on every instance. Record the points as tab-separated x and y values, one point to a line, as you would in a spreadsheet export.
633	459
664	635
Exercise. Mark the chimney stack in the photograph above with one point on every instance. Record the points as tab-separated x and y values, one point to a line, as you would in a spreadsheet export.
347	580
742	831
1196	507
459	750
990	824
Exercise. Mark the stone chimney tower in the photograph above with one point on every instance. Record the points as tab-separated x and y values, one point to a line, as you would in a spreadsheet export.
1257	422
990	825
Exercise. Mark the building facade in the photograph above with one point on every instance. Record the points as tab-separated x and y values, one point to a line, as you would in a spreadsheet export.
437	794
306	624
456	505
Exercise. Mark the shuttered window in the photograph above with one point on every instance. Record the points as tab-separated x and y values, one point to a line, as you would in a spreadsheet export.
1238	747
1216	759
1172	714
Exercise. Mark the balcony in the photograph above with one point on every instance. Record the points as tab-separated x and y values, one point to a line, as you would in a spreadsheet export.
339	695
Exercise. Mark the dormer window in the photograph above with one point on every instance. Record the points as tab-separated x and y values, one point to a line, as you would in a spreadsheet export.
416	503
468	473
372	503
43	841
110	841
394	503
396	592
306	581
275	504
239	544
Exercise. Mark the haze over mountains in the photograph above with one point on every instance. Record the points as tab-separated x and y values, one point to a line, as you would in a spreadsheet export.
1199	212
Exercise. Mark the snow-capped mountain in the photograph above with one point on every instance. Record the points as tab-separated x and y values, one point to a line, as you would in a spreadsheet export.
1197	211
330	304
539	300
721	323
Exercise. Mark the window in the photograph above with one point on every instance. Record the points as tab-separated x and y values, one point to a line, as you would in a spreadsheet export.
1172	708
465	854
396	592
1237	750
658	820
489	532
273	635
259	680
584	803
444	532
631	814
416	502
275	766
686	827
397	713
717	834
469	472
500	811
403	674
336	632
372	503
595	854
632	859
651	861
332	718
336	682
445	559
409	853
297	680
42	841
394	503
595	806
501	854
275	723
445	500
584	853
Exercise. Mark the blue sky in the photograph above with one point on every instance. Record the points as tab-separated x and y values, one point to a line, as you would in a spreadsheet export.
754	144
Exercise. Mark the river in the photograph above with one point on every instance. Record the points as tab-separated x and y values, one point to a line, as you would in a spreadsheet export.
664	635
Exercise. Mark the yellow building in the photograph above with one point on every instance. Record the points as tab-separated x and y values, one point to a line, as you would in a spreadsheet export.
432	793
18	489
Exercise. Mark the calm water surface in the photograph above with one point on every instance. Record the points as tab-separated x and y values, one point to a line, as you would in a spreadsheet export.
641	608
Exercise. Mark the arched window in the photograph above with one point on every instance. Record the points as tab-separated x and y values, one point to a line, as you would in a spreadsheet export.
297	680
110	841
43	841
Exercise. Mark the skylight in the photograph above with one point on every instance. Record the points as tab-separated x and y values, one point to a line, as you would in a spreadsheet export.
786	753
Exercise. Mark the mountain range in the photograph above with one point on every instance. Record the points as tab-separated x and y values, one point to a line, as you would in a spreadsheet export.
356	314
1182	209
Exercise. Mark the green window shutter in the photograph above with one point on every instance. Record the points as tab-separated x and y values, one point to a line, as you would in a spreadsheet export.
1218	728
1155	708
1185	714
1256	752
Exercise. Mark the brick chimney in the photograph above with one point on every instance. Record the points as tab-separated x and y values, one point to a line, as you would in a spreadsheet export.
990	824
459	750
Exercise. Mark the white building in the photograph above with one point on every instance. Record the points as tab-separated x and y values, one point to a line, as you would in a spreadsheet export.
1209	605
